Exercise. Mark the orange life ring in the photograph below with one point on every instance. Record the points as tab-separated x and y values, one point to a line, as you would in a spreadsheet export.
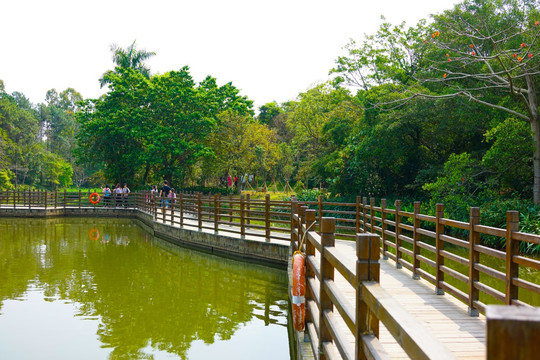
92	196
298	291
93	234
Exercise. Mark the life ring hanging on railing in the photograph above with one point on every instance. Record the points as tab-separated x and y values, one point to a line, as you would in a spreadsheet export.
93	234
298	291
94	198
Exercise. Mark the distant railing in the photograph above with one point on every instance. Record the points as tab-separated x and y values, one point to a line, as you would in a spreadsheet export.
421	243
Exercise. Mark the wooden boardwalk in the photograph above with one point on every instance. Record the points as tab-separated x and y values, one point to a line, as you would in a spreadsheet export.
443	315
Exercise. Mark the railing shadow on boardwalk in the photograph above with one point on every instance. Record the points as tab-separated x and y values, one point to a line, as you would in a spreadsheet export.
329	311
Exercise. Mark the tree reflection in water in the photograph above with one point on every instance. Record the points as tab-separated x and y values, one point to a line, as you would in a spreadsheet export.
144	291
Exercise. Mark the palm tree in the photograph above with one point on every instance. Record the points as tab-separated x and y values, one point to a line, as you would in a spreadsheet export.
129	58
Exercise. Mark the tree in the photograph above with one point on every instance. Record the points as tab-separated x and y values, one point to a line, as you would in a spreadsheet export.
129	58
487	51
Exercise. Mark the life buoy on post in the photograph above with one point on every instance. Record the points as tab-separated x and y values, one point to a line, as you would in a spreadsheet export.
93	234
94	198
298	291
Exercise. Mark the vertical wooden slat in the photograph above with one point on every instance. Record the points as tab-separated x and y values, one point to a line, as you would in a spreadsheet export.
383	230
65	199
512	248
474	258
80	198
439	246
399	254
416	239
327	228
367	269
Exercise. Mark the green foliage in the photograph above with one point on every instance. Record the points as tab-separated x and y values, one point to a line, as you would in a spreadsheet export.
209	190
510	156
6	177
458	186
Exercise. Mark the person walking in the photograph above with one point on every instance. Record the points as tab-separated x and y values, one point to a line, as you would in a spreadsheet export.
118	195
107	195
164	194
125	193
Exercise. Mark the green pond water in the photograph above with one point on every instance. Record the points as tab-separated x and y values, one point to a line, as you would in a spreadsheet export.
106	289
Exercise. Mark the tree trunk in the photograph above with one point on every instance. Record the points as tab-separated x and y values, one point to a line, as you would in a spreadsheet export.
535	127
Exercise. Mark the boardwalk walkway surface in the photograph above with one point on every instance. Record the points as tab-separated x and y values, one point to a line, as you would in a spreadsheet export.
442	315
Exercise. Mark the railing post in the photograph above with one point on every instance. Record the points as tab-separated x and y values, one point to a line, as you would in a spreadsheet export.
230	208
416	239
294	225
364	214
14	200
172	209
55	198
383	230
320	205
216	213
310	220
327	228
358	200
267	216
154	205
399	255
371	215
242	218
367	269
80	199
439	246
182	210
474	258
199	210
248	207
65	199
512	248
512	332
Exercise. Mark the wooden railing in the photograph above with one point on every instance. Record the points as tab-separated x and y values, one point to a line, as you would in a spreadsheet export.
426	245
341	329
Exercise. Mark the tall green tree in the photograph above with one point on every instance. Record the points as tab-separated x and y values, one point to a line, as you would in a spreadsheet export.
129	58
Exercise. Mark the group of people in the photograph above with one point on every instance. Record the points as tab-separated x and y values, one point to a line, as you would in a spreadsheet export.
231	181
119	194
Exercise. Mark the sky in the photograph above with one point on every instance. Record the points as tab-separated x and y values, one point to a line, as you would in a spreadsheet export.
270	50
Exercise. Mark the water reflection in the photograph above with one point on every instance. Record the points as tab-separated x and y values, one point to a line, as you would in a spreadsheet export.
149	296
